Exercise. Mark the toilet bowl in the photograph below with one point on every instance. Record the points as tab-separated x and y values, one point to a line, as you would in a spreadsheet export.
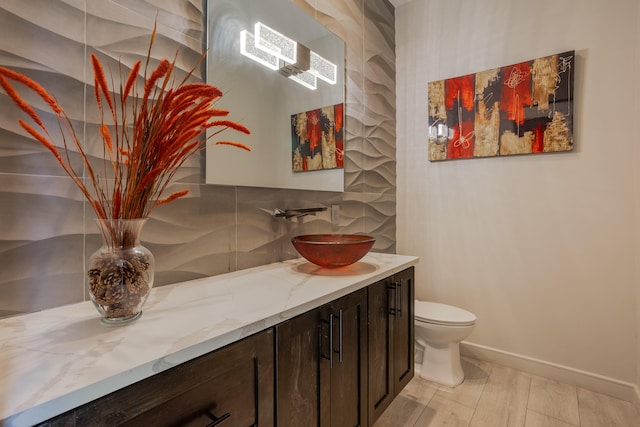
439	330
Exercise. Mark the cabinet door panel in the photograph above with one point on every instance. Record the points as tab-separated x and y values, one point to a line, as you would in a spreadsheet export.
380	349
297	382
391	340
404	330
348	374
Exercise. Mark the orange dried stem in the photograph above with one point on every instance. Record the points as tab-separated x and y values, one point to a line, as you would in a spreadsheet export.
21	103
173	197
149	139
101	81
34	86
234	144
44	141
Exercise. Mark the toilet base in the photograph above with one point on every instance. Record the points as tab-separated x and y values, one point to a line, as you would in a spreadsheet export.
441	364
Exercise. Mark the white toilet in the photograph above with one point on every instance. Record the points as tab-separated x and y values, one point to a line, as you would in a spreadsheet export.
439	330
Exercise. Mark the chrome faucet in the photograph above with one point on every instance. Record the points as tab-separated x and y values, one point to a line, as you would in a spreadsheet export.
296	213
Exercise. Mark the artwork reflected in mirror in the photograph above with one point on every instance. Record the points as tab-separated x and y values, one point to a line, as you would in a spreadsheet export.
317	138
273	61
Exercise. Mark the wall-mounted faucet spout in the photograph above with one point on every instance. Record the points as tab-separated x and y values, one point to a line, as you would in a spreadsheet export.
296	213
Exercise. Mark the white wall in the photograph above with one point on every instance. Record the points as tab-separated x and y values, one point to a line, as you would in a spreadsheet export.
540	247
637	206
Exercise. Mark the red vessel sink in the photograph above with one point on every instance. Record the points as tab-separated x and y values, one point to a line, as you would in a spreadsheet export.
333	250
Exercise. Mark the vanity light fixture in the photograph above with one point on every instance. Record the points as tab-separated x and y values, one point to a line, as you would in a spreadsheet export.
306	79
323	69
248	48
293	60
275	43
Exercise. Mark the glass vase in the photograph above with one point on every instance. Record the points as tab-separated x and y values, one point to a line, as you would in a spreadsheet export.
120	272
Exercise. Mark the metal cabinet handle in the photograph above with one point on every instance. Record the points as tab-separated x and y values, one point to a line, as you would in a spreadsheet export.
396	310
399	304
215	420
392	309
331	316
340	338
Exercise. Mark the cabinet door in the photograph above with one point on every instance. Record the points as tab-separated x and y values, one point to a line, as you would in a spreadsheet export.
403	329
391	339
321	366
343	374
297	381
232	386
381	383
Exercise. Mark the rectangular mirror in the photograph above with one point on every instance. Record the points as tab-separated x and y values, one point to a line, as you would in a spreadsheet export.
265	56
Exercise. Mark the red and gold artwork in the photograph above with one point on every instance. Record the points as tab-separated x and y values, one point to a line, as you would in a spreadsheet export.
516	109
317	138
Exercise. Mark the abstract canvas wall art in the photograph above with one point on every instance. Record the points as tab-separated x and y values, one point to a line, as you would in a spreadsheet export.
516	109
317	138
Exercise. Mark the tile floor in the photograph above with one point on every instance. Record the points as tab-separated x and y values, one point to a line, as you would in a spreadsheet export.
494	396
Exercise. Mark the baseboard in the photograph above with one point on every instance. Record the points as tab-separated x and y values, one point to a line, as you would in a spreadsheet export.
588	380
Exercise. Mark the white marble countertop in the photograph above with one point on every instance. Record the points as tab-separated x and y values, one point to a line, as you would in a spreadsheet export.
55	360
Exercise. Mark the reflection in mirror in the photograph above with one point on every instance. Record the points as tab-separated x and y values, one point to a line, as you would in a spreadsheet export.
258	55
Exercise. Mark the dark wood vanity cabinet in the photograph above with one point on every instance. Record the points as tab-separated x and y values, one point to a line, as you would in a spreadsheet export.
232	386
391	339
321	365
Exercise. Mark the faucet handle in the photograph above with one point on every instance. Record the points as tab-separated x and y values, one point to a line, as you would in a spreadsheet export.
297	213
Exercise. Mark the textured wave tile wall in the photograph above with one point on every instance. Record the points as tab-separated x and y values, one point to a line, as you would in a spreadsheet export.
46	229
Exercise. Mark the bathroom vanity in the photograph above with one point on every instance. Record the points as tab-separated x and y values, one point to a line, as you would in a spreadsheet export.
271	345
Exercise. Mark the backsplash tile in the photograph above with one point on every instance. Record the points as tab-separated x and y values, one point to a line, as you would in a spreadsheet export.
46	229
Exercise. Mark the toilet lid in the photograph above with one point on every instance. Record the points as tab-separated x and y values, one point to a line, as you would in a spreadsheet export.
443	314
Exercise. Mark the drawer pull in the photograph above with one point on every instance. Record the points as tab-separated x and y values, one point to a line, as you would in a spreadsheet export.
340	338
331	316
215	420
399	298
392	310
396	310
